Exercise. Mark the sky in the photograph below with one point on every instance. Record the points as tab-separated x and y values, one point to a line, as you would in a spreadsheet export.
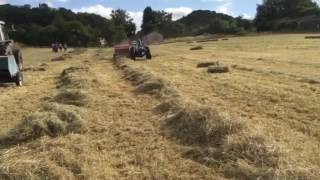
179	8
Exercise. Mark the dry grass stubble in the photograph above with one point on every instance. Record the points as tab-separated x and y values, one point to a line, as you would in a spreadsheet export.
208	137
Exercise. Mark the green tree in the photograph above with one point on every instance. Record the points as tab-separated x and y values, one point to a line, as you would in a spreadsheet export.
123	22
272	10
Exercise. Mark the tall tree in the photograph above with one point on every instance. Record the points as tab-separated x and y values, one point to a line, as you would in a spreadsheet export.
122	20
148	21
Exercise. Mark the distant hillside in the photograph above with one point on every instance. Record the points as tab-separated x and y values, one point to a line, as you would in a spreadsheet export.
196	23
204	21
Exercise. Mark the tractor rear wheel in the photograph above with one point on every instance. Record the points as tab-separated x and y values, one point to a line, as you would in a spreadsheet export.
19	79
18	57
148	53
132	53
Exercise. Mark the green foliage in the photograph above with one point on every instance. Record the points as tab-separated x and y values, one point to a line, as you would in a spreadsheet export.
204	21
196	23
43	25
277	14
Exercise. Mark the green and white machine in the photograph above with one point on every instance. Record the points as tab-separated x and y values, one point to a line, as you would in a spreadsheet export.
11	63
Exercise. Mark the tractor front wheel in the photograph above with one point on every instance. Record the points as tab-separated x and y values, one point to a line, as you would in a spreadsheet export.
19	79
132	53
148	53
18	57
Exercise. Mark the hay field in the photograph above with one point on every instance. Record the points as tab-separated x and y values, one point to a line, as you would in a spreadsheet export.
274	86
88	117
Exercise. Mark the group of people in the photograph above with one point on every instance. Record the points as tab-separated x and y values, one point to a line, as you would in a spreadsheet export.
56	47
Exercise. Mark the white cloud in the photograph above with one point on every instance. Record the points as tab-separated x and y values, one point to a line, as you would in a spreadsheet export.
137	18
50	3
106	12
178	13
3	2
96	9
247	16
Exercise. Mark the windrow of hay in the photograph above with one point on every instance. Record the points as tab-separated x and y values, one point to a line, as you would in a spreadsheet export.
74	86
146	82
218	69
52	120
74	78
211	138
33	69
50	159
207	64
44	150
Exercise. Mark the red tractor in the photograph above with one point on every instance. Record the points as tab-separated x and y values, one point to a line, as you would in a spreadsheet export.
132	50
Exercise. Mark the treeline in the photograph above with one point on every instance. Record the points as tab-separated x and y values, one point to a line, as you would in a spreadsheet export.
196	23
41	26
288	15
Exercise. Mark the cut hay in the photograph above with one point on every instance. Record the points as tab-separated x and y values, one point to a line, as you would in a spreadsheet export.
196	48
211	138
34	69
78	51
196	124
53	120
207	40
48	159
59	58
146	82
44	65
74	97
218	69
242	68
310	81
225	39
74	78
207	64
312	37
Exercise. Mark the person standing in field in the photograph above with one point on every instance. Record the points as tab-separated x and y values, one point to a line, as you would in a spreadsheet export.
65	47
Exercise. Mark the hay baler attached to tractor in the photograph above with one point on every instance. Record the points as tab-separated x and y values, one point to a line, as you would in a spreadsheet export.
11	63
132	50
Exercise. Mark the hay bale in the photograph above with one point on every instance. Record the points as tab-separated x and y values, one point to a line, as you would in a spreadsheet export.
72	97
196	48
225	39
218	69
207	64
59	58
312	37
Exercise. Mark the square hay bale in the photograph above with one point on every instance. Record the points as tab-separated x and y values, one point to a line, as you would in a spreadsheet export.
207	64
196	48
218	69
312	37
